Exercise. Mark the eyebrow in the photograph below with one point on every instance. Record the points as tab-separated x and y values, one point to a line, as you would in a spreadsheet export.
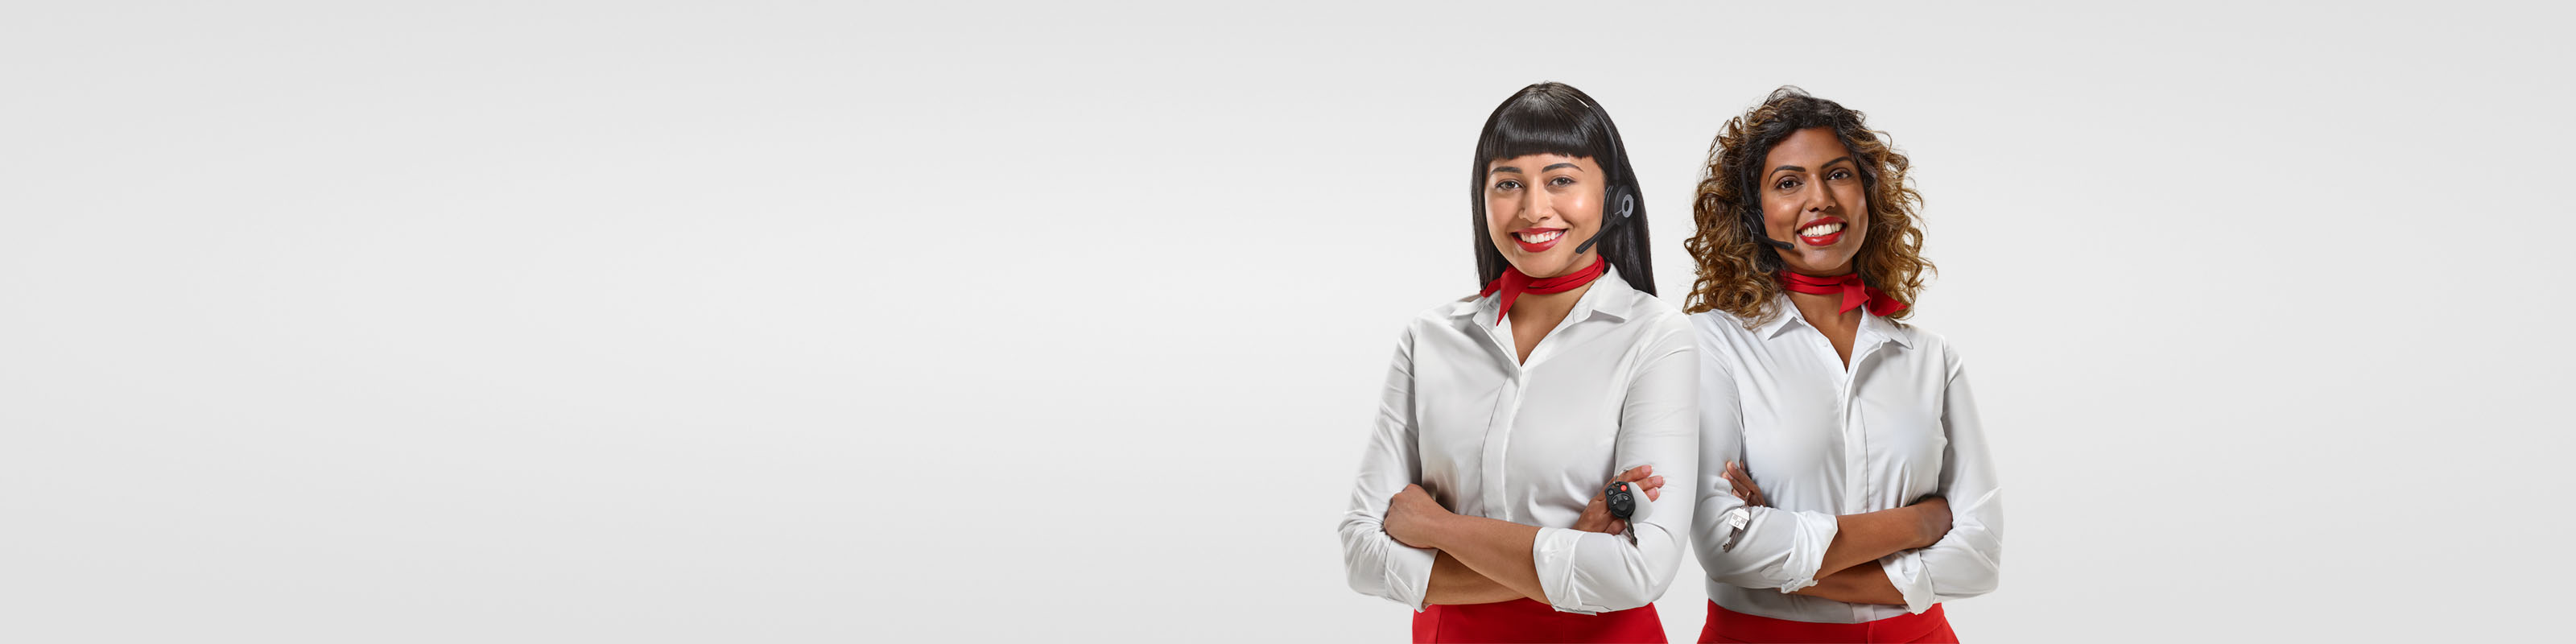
1792	168
1551	166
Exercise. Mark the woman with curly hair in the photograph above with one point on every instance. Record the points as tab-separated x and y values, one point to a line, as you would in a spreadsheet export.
1844	489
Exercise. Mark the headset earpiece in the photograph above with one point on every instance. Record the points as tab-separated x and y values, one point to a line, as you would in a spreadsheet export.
1627	207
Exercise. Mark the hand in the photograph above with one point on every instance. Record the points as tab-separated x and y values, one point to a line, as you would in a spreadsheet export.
1410	515
1596	514
1933	516
1742	482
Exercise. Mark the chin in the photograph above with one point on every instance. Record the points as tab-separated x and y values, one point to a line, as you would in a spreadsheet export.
1548	266
1823	263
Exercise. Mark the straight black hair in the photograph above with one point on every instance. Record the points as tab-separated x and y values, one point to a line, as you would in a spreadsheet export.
1555	118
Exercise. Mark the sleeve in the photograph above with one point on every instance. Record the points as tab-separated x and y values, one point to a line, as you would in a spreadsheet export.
1750	547
1968	561
1591	572
1376	563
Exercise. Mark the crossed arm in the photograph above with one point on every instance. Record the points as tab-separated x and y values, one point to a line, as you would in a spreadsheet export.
1398	543
1481	560
1858	539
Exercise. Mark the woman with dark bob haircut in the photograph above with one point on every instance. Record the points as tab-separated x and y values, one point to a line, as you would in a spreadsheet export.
1844	490
1511	488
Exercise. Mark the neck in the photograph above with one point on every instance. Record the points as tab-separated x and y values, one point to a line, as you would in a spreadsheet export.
1820	310
1546	307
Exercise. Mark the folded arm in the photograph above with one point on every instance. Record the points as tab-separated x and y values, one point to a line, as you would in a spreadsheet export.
1584	571
1968	561
1755	546
1374	562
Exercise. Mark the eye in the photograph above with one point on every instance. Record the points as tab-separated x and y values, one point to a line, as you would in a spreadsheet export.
1508	184
1840	174
1787	183
1561	182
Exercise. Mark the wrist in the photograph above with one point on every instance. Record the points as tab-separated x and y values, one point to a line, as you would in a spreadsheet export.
1437	528
1925	533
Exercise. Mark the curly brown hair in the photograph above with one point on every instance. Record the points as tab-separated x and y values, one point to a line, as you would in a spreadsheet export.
1739	274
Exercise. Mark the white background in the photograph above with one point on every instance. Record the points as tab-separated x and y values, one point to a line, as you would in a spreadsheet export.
509	321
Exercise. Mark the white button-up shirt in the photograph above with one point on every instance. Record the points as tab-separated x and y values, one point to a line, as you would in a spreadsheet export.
1612	387
1823	441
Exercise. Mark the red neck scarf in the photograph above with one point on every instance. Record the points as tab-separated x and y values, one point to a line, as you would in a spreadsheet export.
1849	286
1513	283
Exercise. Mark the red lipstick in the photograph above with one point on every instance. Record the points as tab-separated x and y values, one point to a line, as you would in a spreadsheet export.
1549	238
1826	239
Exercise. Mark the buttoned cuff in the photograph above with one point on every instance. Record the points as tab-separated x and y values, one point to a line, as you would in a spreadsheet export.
1553	554
1905	572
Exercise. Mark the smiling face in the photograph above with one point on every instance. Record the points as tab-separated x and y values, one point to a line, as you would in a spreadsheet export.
1812	196
1539	207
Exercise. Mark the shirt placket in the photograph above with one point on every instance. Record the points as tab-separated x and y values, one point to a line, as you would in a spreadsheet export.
1498	440
1498	433
1855	443
1856	492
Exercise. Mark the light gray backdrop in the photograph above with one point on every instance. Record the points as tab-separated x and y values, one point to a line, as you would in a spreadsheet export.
699	322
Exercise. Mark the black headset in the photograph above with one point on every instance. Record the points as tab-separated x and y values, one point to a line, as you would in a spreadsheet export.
1752	190
1616	194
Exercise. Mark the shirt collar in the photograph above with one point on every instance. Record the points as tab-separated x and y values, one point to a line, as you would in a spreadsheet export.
1610	297
1786	316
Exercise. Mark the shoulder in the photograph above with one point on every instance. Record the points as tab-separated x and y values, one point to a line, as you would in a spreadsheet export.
1446	311
1716	324
1661	328
1654	314
1441	319
1932	345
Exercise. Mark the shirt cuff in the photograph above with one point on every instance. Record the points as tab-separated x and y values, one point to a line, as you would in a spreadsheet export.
1553	555
1905	572
1813	536
1408	575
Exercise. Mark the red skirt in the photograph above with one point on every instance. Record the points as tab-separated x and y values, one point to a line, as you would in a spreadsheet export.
1527	620
1730	626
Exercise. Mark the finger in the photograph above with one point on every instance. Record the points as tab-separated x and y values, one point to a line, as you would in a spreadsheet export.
1637	473
1738	477
1618	526
1654	493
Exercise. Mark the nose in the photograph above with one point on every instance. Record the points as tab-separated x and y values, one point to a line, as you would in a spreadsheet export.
1541	206
1819	200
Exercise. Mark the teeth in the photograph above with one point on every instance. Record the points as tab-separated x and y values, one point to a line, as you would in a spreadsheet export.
1820	230
1540	238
